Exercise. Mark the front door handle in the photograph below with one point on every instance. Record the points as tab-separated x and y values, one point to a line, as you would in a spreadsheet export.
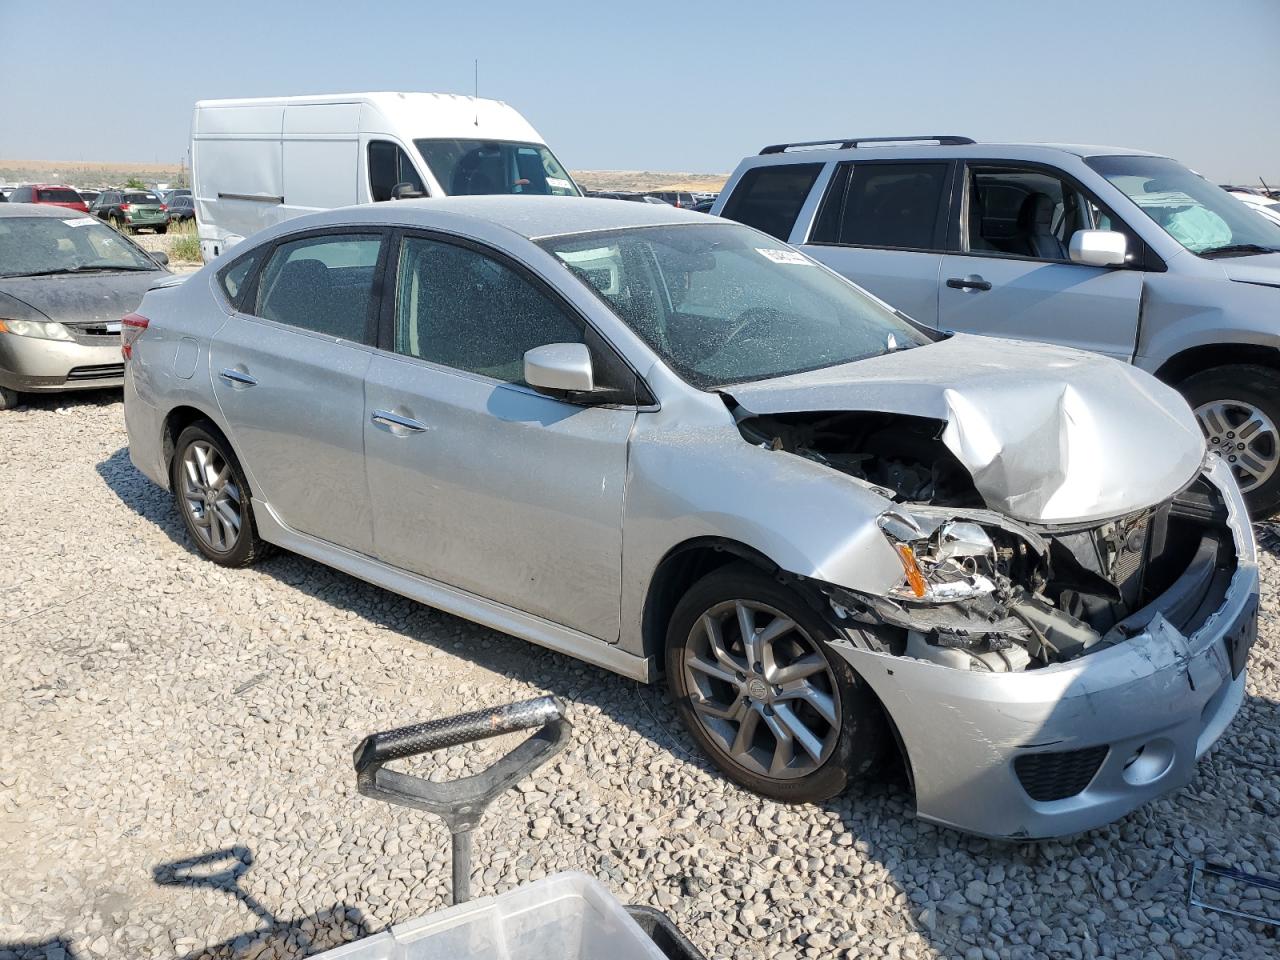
971	282
237	376
386	418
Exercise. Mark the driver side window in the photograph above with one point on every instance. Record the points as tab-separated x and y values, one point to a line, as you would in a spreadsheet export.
389	166
1022	212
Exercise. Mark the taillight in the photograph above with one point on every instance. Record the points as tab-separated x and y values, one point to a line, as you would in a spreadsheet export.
131	327
164	207
124	206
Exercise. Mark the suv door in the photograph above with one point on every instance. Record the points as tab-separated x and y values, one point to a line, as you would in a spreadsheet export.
1013	276
288	375
479	482
883	224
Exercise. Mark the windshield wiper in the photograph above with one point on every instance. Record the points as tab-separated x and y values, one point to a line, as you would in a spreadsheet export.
1236	249
61	270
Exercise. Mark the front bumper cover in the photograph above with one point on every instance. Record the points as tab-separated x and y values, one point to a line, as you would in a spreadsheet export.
34	365
1157	702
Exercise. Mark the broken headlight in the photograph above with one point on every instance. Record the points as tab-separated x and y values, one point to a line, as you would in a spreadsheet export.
941	562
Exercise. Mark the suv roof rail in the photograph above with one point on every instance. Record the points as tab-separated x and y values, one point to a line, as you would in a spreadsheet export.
850	142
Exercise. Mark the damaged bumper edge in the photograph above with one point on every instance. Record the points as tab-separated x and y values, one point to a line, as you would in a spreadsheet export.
1074	745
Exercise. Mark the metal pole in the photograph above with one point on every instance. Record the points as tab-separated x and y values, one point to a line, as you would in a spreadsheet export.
462	866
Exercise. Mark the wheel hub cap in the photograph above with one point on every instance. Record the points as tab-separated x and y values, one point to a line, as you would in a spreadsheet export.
1244	436
761	690
210	496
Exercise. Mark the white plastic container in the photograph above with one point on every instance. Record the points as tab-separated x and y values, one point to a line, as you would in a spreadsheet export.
567	916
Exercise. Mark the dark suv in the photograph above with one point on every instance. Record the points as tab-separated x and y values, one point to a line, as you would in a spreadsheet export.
130	210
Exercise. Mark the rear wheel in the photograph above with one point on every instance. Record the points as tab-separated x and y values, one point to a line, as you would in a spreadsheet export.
8	398
756	684
163	228
1239	411
213	496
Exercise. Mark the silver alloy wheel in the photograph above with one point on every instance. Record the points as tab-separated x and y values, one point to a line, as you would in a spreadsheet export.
1244	436
761	689
211	496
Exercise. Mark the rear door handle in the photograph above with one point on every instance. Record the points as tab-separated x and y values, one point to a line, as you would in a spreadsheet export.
971	282
237	376
388	419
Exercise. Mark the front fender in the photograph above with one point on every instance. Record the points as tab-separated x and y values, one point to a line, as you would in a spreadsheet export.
1182	313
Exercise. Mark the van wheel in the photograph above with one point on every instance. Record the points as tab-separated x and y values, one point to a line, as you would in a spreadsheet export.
213	497
1238	407
760	690
8	398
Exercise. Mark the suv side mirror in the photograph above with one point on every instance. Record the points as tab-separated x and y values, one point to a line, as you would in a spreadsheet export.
1098	248
558	368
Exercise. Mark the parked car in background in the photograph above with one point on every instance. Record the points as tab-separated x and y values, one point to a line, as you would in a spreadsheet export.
50	194
1121	252
677	198
1257	202
654	439
344	149
88	196
168	196
65	282
130	210
181	208
703	206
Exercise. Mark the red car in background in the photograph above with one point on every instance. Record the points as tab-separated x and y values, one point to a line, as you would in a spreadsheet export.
50	194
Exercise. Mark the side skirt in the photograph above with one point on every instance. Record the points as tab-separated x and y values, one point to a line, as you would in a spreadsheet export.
452	600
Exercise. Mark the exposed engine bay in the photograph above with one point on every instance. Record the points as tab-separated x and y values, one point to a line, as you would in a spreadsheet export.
984	592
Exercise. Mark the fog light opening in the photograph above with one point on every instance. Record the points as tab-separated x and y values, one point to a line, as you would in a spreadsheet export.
1149	762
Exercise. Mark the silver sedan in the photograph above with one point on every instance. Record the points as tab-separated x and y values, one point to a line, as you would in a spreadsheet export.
666	443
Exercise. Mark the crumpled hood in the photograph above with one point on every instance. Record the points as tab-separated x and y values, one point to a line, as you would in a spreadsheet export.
71	298
1263	268
1050	435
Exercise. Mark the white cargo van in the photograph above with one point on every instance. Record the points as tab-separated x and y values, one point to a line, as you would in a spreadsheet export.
257	162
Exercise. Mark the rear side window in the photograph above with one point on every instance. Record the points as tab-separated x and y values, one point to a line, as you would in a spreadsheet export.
886	205
389	166
769	198
60	196
323	284
235	277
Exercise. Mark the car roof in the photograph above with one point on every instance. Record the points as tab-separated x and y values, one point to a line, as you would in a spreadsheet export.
34	210
531	217
980	150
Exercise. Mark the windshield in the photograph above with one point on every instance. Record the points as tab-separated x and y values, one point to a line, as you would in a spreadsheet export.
35	245
722	303
1202	217
471	167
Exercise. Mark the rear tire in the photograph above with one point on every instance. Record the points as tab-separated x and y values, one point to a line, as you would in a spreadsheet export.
832	726
163	228
212	494
9	399
1238	407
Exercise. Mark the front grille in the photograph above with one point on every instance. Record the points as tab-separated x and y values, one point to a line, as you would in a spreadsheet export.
1056	776
101	371
103	329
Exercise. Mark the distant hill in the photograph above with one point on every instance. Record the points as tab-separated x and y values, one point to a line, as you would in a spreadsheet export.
84	173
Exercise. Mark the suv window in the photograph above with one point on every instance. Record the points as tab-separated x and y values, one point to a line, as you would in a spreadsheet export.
458	307
897	205
769	198
60	195
1022	212
323	284
388	166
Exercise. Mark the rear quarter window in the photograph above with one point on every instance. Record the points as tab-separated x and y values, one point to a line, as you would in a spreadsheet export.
769	198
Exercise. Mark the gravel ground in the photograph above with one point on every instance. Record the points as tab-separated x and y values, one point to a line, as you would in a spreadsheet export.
158	708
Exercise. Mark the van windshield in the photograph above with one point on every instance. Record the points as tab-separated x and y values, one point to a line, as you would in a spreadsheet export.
473	167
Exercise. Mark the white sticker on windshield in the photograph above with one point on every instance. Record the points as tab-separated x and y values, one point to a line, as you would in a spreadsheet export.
81	222
559	183
784	256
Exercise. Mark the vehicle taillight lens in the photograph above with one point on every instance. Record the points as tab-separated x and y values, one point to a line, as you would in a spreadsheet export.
131	327
124	206
164	206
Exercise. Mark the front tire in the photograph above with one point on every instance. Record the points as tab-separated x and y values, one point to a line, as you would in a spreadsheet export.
8	398
211	493
1238	407
758	687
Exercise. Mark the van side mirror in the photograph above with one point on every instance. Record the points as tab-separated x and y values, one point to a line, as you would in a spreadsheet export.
559	368
1098	248
405	191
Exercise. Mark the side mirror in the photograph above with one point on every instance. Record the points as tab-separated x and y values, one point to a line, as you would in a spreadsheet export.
160	257
1098	248
559	368
405	191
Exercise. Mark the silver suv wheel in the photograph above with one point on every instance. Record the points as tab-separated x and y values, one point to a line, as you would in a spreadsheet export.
1244	436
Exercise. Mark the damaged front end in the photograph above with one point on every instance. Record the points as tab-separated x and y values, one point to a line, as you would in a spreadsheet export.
981	591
